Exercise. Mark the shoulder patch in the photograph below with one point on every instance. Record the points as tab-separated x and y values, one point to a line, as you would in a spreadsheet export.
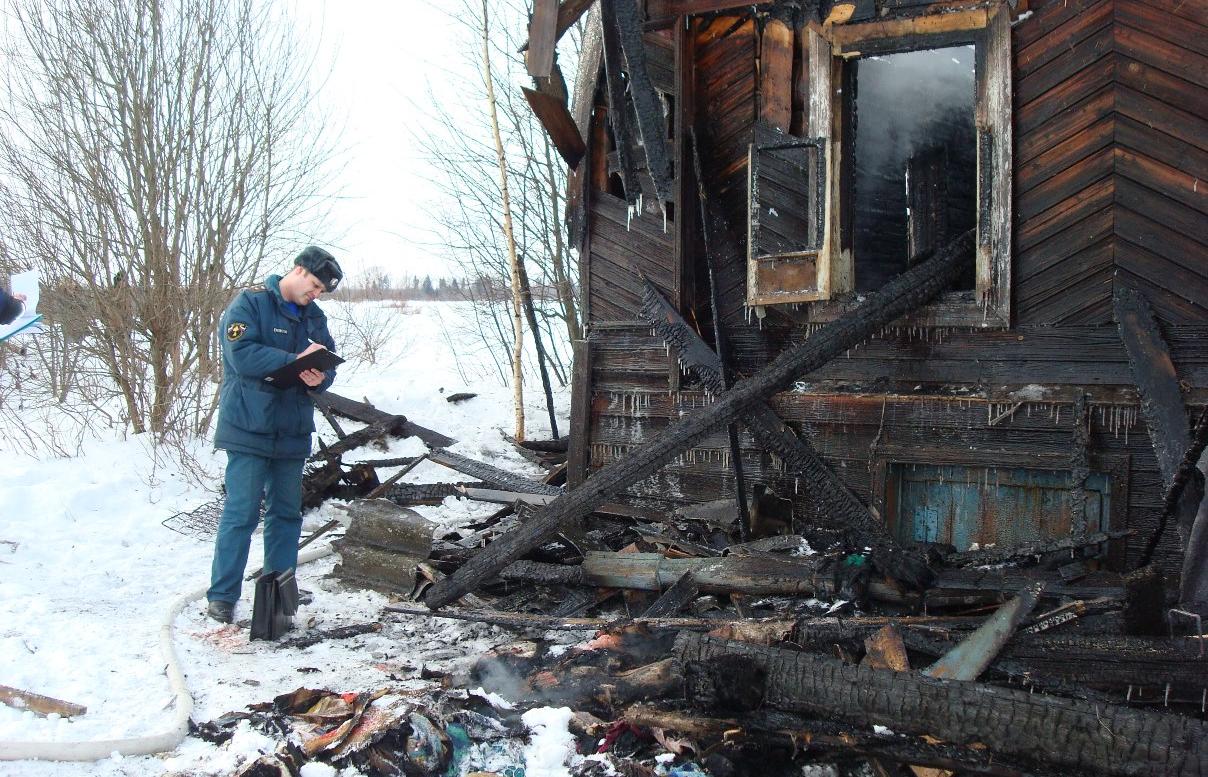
236	330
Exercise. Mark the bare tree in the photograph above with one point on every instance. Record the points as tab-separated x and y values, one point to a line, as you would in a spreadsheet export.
459	142
515	271
153	154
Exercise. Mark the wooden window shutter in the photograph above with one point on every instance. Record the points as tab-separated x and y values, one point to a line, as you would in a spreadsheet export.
791	192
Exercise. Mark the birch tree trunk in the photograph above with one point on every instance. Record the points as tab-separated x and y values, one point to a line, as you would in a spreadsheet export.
513	259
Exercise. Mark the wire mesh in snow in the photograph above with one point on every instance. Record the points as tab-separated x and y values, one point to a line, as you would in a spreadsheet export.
200	523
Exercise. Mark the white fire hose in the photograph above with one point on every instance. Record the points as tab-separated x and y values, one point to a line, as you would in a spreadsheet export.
96	750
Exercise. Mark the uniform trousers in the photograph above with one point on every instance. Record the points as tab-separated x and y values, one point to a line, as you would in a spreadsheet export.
251	480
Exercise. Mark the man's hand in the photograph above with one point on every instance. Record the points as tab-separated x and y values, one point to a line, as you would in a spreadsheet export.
19	296
311	378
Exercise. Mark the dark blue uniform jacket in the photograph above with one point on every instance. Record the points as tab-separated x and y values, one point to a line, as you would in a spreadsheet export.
10	307
260	334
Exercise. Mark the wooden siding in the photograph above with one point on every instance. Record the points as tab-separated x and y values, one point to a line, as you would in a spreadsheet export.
861	435
1111	146
622	246
725	85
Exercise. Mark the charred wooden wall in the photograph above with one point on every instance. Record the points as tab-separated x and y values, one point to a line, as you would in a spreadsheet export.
1111	139
1110	147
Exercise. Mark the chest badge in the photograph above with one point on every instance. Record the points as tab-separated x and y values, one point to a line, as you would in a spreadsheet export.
236	330
280	331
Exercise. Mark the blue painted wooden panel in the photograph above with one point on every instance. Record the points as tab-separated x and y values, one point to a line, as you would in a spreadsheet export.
990	505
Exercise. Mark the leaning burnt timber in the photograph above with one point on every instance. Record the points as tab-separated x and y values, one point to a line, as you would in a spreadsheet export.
797	454
905	293
1096	738
1166	417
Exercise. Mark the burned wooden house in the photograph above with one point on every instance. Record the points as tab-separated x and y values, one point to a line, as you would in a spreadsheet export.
744	175
921	283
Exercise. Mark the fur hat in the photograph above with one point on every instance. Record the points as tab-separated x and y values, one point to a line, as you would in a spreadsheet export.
322	265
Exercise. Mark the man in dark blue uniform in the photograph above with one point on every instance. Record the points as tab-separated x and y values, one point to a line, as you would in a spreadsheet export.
266	430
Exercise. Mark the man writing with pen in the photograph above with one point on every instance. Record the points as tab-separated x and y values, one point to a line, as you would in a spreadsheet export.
266	430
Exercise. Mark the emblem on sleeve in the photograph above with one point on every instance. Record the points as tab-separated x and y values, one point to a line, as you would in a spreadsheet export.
236	330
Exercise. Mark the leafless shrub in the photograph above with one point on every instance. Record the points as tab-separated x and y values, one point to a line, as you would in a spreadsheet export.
368	332
153	155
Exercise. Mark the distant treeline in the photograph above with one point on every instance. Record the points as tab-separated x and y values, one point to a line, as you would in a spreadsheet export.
376	285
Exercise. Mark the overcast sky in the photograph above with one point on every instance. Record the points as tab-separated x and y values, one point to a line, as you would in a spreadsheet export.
383	54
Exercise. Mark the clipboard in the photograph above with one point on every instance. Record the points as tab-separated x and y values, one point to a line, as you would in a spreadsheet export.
24	323
287	376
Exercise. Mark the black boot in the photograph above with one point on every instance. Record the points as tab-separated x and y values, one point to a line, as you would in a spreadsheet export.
223	612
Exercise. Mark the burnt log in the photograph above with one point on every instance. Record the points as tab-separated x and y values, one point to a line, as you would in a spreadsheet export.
528	620
578	686
1073	734
318	481
753	575
406	494
818	736
905	293
1117	664
1029	551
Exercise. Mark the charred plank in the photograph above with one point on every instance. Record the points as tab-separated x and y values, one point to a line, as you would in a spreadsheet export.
494	476
674	598
368	414
1156	379
618	108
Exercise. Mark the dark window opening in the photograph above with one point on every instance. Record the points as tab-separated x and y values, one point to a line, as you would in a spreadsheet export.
914	183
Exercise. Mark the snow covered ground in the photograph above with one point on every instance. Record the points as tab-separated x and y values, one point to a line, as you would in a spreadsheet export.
88	575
